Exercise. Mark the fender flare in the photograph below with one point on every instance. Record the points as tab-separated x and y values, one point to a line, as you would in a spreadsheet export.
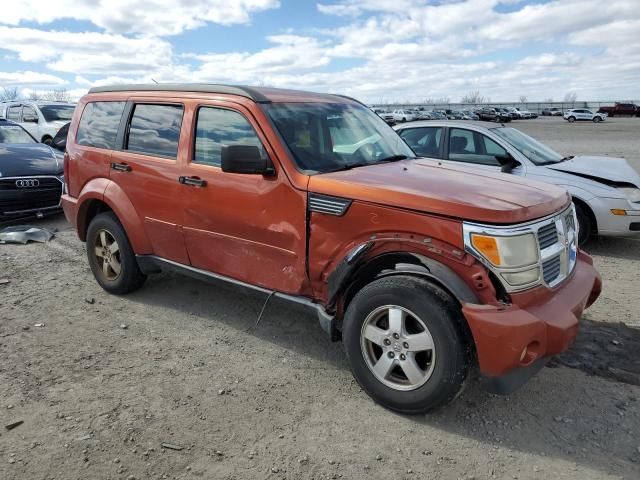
111	194
353	265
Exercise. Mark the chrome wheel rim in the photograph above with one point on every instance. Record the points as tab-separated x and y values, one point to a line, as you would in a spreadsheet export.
398	347
107	253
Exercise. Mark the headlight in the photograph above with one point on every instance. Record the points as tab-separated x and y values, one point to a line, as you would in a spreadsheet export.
632	193
506	252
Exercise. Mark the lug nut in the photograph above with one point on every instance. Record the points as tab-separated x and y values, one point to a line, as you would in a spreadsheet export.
396	336
402	357
405	345
387	341
391	355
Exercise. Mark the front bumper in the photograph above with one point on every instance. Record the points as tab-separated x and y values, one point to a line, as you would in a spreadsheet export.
513	341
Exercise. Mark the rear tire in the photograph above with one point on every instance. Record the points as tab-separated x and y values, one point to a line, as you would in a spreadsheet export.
421	353
111	257
585	225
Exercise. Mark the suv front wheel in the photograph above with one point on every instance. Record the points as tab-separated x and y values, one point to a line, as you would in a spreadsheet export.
406	345
111	257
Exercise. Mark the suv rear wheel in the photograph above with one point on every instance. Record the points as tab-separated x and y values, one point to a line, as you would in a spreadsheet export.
405	344
111	257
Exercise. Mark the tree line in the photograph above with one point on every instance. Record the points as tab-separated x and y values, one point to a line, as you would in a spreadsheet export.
10	94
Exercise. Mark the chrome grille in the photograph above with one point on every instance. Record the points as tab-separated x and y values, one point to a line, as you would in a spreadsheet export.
16	200
329	205
551	270
547	235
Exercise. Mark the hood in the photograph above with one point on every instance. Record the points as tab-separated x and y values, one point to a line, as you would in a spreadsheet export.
28	159
428	186
607	168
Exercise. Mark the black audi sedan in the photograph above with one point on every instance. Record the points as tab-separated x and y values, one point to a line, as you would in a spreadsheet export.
31	174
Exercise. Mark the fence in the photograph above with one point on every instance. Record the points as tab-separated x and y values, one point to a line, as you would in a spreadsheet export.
535	107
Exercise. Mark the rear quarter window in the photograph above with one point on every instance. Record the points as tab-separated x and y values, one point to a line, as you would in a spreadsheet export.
99	124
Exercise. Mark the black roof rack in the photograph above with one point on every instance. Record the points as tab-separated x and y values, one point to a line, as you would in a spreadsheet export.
239	90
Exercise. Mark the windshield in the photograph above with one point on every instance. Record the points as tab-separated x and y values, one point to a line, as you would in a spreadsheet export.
531	148
52	113
14	134
325	137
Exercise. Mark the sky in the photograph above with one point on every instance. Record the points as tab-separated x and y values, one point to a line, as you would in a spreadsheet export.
379	51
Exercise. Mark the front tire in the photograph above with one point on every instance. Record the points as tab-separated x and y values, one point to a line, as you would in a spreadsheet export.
111	257
585	225
406	344
571	119
597	119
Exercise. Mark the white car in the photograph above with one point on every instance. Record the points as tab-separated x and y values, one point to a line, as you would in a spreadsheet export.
41	119
605	190
404	115
583	114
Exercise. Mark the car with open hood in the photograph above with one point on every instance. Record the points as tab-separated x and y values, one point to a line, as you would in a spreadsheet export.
605	190
31	174
422	269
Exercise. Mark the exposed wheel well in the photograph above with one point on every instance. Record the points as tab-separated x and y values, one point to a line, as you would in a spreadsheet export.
400	263
587	209
88	212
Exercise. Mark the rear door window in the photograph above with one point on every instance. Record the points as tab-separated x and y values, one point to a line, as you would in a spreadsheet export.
99	124
218	127
425	142
155	129
13	113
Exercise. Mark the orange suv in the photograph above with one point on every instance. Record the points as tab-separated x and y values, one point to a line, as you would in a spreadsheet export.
422	270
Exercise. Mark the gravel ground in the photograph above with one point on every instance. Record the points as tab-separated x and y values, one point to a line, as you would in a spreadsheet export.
105	381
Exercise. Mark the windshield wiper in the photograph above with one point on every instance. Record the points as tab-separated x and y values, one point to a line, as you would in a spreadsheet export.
564	159
392	158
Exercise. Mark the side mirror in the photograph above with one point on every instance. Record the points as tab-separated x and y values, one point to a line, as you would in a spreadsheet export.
507	162
30	118
245	159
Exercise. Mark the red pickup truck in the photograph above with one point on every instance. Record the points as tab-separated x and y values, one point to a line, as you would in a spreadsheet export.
621	109
424	270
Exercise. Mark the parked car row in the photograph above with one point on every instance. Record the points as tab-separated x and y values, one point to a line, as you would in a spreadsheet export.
492	114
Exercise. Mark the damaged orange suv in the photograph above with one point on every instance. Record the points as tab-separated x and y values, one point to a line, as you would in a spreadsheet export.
422	270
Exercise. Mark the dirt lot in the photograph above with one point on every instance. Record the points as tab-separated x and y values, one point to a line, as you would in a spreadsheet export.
107	380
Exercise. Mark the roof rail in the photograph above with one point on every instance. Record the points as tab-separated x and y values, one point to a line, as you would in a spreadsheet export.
239	90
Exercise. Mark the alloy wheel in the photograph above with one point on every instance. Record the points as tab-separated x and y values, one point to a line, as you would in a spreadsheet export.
107	254
398	347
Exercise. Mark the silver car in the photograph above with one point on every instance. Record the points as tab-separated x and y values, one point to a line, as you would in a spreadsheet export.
605	190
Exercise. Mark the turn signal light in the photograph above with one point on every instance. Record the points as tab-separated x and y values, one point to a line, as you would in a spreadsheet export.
487	246
617	211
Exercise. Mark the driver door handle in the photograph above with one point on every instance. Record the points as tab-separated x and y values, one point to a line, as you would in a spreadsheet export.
120	167
192	181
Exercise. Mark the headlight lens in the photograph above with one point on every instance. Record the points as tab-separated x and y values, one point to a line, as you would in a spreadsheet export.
632	194
522	278
513	251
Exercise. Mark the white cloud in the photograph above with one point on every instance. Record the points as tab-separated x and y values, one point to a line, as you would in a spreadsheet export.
145	17
86	53
30	78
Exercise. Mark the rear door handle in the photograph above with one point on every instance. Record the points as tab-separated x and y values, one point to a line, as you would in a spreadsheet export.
120	167
192	181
